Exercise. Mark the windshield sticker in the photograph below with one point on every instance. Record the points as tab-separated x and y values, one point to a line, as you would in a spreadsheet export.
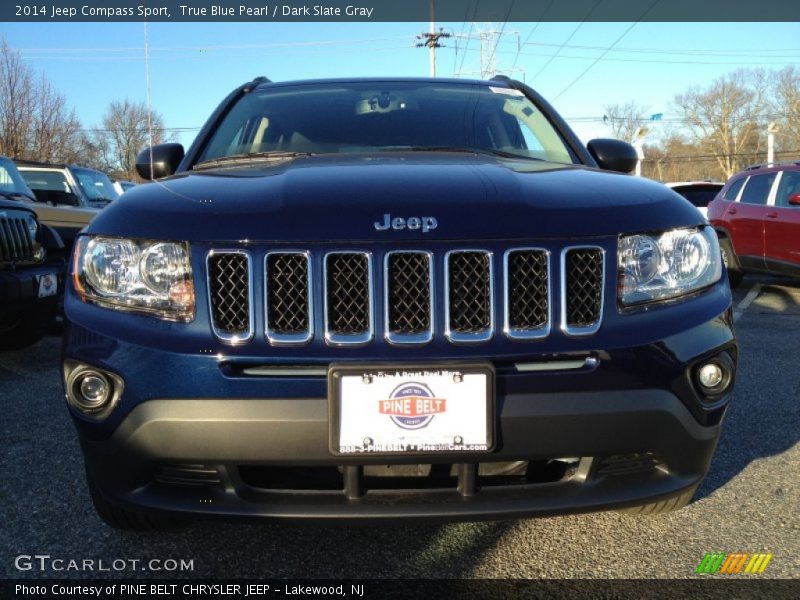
506	91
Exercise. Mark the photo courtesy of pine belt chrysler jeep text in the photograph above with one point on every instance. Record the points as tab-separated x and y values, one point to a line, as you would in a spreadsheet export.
390	298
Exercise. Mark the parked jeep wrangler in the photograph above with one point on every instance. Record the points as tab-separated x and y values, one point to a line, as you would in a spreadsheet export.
376	299
29	281
67	197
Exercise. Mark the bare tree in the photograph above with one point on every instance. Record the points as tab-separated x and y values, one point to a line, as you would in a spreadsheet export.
725	119
17	102
35	123
125	133
624	119
785	108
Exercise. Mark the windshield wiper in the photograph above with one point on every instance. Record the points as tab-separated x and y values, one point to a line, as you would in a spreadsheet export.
462	149
249	157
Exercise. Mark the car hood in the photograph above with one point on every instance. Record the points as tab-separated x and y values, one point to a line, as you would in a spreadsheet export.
342	197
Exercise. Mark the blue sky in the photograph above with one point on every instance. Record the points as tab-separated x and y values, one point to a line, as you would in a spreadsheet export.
194	65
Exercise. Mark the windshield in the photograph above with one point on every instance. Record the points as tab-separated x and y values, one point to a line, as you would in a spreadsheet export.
11	182
379	116
95	184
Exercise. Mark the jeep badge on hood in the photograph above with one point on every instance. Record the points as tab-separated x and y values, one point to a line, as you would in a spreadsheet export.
425	223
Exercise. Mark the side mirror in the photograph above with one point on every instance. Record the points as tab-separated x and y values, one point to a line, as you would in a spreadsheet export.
794	199
613	155
166	158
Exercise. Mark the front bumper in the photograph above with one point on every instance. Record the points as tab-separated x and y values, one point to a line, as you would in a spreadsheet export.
628	426
20	291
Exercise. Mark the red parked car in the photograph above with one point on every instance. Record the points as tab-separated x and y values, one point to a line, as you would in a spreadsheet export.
757	218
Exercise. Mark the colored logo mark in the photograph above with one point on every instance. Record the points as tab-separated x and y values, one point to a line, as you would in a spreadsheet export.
412	405
732	564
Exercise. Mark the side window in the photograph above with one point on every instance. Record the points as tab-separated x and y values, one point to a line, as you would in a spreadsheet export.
6	183
733	191
757	189
789	186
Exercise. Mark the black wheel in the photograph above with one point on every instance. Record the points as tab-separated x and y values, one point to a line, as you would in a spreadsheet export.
125	518
663	506
731	262
25	331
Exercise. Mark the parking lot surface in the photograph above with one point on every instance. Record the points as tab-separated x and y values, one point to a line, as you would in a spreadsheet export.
749	502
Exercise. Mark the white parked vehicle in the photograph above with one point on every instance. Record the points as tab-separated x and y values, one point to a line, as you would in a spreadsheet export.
699	193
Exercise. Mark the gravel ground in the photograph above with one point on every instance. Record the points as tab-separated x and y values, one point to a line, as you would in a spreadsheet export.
750	501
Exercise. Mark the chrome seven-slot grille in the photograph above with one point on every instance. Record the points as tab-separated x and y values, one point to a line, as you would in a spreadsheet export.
16	244
349	296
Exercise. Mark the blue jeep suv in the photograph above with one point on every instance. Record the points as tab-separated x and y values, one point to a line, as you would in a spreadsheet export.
386	298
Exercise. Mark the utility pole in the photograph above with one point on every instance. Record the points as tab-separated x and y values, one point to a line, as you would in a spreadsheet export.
772	129
638	143
431	40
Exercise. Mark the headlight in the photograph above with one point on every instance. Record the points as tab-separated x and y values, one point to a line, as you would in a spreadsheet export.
33	225
674	263
136	275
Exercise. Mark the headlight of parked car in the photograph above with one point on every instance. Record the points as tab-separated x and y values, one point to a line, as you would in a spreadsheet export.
667	265
33	226
136	275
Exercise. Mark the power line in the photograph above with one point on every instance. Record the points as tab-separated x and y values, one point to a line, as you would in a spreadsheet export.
535	27
469	35
651	61
571	35
207	47
607	50
502	29
694	52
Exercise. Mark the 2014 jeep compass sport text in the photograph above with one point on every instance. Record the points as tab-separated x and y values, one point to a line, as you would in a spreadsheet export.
373	299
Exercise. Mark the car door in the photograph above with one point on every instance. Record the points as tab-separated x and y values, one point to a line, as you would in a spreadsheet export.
782	226
746	219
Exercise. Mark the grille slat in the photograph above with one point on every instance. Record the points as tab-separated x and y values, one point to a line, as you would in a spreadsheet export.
469	295
230	291
408	297
527	293
15	240
348	297
583	290
288	285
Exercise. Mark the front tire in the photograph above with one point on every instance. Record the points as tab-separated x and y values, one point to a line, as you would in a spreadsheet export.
731	262
25	331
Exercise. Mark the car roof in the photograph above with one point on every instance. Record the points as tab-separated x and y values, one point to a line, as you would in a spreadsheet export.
674	184
785	165
272	84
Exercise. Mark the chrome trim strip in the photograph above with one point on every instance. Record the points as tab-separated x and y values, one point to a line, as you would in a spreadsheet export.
341	339
526	334
289	339
234	339
406	338
478	336
594	327
555	365
288	371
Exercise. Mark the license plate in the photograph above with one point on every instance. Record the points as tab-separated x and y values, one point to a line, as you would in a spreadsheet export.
411	409
48	285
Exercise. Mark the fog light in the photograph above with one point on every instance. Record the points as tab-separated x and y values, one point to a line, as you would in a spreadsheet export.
94	389
710	375
713	378
90	390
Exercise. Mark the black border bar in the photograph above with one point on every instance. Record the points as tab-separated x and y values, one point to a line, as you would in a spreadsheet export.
730	588
446	11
